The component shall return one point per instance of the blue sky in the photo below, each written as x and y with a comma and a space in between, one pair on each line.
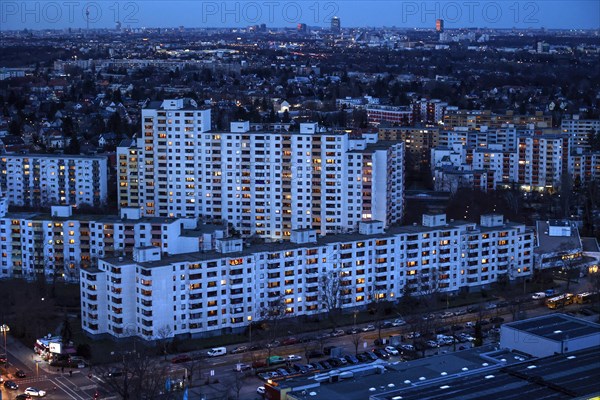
575, 14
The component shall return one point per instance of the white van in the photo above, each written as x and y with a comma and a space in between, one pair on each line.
217, 351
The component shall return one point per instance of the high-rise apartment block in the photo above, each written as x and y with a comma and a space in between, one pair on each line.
262, 182
40, 180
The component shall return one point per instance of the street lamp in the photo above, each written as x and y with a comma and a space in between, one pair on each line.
4, 329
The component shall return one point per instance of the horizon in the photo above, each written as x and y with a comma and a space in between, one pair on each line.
155, 14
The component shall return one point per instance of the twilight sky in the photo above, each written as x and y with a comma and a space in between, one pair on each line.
574, 14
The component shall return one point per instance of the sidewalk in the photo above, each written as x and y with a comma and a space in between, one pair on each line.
26, 355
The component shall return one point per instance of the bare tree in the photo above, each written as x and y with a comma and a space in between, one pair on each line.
271, 316
163, 335
356, 340
330, 294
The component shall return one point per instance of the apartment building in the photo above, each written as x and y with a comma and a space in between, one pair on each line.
476, 119
429, 111
39, 180
264, 183
536, 164
377, 114
62, 243
418, 141
584, 166
211, 293
578, 130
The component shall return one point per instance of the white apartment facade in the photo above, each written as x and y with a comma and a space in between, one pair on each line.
212, 293
578, 130
38, 180
60, 243
263, 183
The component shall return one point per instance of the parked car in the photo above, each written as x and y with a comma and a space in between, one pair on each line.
447, 314
20, 374
352, 331
472, 309
242, 367
491, 306
260, 390
11, 385
387, 324
538, 295
114, 373
432, 344
398, 322
274, 343
351, 359
289, 341
326, 364
381, 353
370, 356
303, 369
337, 333
181, 359
392, 350
362, 357
407, 347
293, 357
368, 328
460, 312
239, 349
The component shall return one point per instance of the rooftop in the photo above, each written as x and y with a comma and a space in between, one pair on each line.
556, 327
557, 377
552, 244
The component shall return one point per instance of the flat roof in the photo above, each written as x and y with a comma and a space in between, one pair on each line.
556, 327
590, 245
556, 244
556, 377
402, 375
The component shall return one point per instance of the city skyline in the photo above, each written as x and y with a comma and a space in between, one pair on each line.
554, 14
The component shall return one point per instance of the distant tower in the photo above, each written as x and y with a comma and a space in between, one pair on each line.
87, 19
301, 28
336, 25
439, 25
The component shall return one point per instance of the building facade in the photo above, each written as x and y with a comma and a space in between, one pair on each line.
211, 293
263, 183
40, 180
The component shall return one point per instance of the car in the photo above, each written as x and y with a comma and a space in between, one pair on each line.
460, 312
491, 306
381, 353
368, 328
274, 343
334, 362
370, 356
20, 374
293, 357
289, 341
341, 360
429, 317
472, 309
447, 314
398, 322
352, 331
325, 364
392, 350
362, 357
23, 396
587, 311
413, 335
11, 385
302, 368
35, 392
255, 347
323, 335
241, 367
181, 359
282, 371
260, 390
114, 373
337, 333
432, 344
351, 359
407, 347
386, 324
470, 324
538, 295
239, 349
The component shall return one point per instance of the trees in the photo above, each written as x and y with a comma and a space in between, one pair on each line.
164, 333
330, 294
